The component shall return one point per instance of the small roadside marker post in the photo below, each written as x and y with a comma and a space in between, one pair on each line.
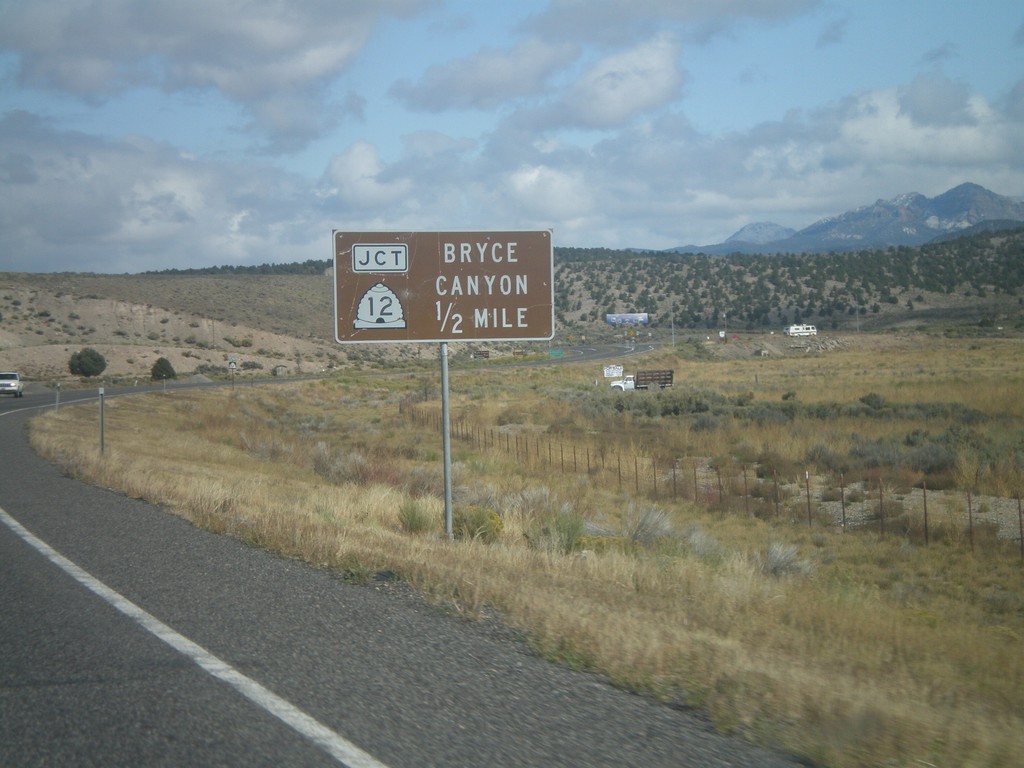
101, 421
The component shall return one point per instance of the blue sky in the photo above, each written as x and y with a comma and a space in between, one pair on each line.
149, 134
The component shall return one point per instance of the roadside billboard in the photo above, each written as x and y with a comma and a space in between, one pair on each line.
627, 318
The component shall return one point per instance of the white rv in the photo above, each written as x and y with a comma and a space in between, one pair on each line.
800, 330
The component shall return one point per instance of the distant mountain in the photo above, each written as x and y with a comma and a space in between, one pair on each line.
908, 219
984, 227
761, 232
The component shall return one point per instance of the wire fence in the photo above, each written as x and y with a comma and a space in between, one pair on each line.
830, 500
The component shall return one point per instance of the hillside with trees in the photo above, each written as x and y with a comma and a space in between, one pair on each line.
279, 317
976, 279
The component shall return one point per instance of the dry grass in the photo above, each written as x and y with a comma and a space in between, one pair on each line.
847, 649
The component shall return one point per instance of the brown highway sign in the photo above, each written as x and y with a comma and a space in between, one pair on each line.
443, 286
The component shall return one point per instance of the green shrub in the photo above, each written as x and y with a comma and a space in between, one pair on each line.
87, 362
340, 468
873, 400
209, 369
702, 544
874, 453
833, 494
772, 464
414, 519
163, 370
782, 560
705, 422
600, 544
645, 523
826, 460
562, 532
472, 521
930, 458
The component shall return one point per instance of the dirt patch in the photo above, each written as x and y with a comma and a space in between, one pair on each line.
741, 345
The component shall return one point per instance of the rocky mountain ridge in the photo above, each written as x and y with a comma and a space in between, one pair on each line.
908, 219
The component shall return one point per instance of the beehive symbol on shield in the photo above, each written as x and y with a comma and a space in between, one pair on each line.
379, 308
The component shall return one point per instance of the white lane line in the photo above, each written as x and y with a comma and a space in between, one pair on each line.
331, 742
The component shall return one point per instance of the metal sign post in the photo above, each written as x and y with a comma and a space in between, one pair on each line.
446, 439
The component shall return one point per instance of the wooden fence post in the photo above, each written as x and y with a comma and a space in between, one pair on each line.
924, 491
881, 508
746, 493
1020, 522
807, 485
842, 497
970, 519
775, 477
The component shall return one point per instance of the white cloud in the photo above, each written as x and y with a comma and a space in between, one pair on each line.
357, 178
593, 140
615, 20
879, 129
488, 78
251, 51
549, 193
661, 183
73, 202
625, 84
936, 100
1015, 101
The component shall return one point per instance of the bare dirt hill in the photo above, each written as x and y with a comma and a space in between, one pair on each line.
134, 320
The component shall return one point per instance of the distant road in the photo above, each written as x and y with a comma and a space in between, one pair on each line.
42, 395
129, 637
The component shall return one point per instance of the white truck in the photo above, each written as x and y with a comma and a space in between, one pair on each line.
11, 384
660, 378
800, 330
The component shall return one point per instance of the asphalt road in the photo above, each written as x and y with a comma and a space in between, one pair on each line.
129, 637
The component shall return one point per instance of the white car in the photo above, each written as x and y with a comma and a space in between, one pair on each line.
11, 384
